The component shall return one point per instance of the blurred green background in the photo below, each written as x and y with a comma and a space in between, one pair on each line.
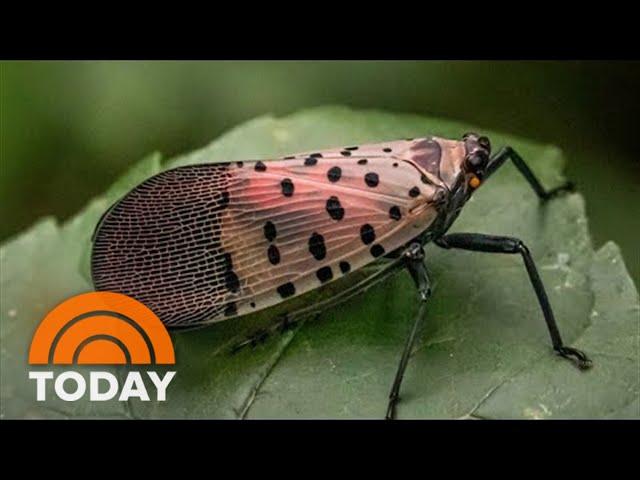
69, 129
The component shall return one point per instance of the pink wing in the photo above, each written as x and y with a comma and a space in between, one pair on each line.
202, 243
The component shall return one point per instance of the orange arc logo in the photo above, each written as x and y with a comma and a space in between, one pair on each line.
100, 328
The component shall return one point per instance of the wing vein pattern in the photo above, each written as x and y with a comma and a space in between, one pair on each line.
203, 243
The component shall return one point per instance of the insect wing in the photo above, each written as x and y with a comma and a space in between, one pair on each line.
202, 243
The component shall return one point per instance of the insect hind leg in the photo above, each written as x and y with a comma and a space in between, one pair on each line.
414, 257
492, 244
292, 319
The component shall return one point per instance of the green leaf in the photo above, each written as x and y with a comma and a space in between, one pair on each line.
484, 352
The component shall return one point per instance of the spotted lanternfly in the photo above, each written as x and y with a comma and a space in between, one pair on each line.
204, 243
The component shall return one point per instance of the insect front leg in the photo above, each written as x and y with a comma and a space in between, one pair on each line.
414, 257
492, 244
508, 153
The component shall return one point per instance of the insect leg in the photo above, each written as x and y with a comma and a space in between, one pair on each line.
492, 244
507, 153
296, 316
414, 257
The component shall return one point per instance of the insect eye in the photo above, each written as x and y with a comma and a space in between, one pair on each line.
467, 135
484, 143
477, 161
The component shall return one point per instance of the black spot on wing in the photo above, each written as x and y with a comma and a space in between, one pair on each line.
270, 231
227, 261
287, 187
286, 290
371, 179
394, 213
232, 281
224, 199
334, 174
324, 274
367, 234
334, 208
377, 250
273, 254
317, 247
231, 309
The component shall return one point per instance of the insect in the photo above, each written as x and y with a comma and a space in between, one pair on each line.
205, 243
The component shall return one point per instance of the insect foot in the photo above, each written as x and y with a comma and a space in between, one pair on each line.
566, 187
573, 354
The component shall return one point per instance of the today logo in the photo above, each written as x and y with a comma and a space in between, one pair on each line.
101, 328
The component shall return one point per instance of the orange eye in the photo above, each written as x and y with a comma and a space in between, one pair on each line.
474, 182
